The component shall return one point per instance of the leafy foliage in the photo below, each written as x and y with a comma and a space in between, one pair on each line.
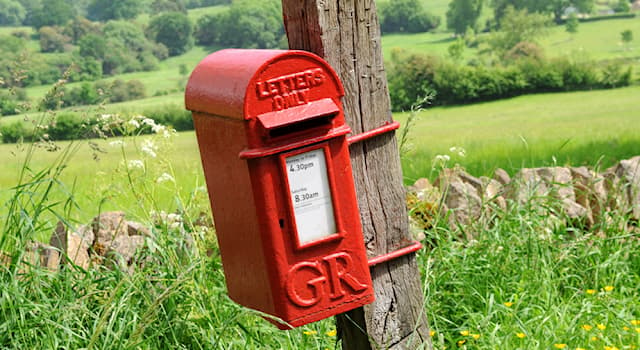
406, 16
52, 39
517, 26
12, 13
52, 13
245, 24
463, 14
413, 77
104, 10
173, 30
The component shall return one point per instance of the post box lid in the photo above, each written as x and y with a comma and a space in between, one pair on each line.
246, 83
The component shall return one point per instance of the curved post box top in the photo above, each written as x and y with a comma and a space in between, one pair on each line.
244, 84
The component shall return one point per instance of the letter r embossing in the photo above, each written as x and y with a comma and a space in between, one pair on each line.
339, 274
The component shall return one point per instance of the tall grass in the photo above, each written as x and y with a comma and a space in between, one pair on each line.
175, 296
526, 284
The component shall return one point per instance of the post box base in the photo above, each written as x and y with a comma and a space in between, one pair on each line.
321, 315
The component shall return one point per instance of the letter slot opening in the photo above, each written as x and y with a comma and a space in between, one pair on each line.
308, 124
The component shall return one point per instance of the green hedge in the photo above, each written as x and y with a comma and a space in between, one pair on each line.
413, 77
603, 17
75, 125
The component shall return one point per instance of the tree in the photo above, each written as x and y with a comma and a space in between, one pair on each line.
406, 16
173, 30
245, 24
79, 27
518, 26
626, 36
12, 13
52, 40
463, 14
556, 8
122, 47
52, 13
572, 24
104, 10
159, 6
622, 6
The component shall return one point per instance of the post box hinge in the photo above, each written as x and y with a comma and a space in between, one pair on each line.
411, 248
387, 127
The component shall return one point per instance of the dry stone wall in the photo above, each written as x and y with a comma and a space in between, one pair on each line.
577, 197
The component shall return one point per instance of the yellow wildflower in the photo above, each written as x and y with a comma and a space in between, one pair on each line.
610, 348
594, 338
608, 288
520, 335
560, 346
626, 328
332, 333
591, 291
587, 327
461, 342
508, 304
635, 322
581, 349
432, 333
601, 326
475, 336
464, 333
638, 330
310, 332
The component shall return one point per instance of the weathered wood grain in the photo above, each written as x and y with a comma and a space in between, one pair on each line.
347, 34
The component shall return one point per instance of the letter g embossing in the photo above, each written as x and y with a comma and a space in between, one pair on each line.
304, 283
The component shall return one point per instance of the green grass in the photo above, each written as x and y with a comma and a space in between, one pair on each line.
553, 285
519, 275
579, 128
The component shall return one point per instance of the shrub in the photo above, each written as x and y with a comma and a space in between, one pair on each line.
13, 132
119, 91
406, 16
52, 40
171, 115
413, 77
615, 75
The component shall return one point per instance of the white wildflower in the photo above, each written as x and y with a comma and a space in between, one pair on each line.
459, 151
148, 121
136, 164
105, 117
134, 123
441, 158
165, 177
149, 148
158, 128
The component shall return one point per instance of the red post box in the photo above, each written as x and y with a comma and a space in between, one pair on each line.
273, 143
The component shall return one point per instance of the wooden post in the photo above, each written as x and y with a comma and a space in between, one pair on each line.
347, 34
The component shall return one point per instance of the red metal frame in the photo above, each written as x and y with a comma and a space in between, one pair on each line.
332, 188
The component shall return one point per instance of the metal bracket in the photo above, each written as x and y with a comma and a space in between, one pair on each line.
385, 128
413, 247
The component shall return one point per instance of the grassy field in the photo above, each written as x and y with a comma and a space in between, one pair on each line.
579, 128
520, 284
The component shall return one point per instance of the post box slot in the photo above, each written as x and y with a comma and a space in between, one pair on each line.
308, 124
300, 118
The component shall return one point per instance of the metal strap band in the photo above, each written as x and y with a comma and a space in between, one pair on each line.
387, 127
413, 247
